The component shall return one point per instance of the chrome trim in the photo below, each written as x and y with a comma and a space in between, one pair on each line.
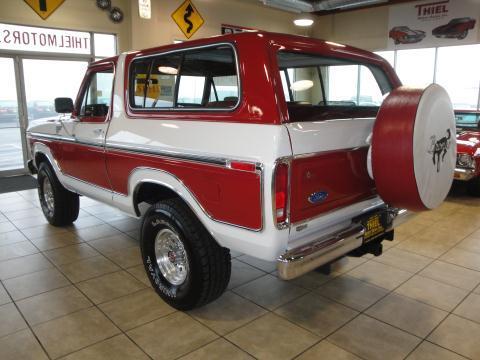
464, 174
298, 261
288, 161
323, 152
303, 259
139, 111
71, 140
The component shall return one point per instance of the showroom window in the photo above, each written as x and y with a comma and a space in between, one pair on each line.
195, 79
454, 67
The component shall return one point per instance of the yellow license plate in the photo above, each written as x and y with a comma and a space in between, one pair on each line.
373, 227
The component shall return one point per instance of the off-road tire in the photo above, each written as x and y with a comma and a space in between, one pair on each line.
473, 187
66, 204
209, 265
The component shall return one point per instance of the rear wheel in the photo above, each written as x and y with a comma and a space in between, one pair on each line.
462, 35
185, 265
473, 186
59, 205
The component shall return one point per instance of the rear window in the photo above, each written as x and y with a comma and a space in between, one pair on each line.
339, 86
467, 120
190, 79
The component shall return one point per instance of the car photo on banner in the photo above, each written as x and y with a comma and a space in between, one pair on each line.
405, 35
456, 28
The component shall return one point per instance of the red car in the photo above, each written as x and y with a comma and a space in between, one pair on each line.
405, 35
468, 149
456, 28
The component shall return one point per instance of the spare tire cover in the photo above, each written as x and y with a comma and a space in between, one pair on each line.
414, 148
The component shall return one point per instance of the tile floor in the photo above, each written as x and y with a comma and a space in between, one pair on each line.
81, 293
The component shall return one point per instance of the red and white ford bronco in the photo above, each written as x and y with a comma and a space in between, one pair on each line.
285, 148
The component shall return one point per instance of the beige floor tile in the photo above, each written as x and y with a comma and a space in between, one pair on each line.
19, 249
425, 247
110, 286
126, 258
117, 348
11, 320
23, 265
16, 204
140, 274
218, 350
96, 232
111, 215
11, 237
403, 260
126, 225
227, 313
459, 335
113, 243
269, 291
429, 351
21, 345
346, 264
88, 268
327, 351
432, 292
30, 222
35, 283
136, 309
470, 308
471, 243
312, 280
23, 214
316, 314
242, 273
352, 292
6, 226
452, 274
179, 335
267, 266
272, 337
468, 259
55, 241
372, 339
4, 297
69, 254
74, 331
407, 314
85, 222
52, 304
42, 231
381, 275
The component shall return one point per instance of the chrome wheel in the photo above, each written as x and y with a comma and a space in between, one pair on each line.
171, 257
48, 195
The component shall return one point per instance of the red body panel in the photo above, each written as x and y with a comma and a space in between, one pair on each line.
342, 174
468, 142
232, 196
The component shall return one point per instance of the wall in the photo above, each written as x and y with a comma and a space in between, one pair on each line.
74, 15
161, 29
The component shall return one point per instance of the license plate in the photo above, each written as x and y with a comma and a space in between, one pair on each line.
374, 226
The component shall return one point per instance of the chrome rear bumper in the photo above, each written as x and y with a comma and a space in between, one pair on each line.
308, 257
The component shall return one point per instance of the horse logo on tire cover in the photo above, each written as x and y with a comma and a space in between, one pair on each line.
439, 148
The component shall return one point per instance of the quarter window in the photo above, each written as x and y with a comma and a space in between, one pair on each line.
191, 79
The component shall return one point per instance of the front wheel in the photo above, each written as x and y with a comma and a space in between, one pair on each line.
185, 265
59, 205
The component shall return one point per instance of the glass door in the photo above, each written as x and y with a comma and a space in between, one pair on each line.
11, 149
46, 80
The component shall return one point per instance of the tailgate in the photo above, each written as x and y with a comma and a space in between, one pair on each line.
329, 166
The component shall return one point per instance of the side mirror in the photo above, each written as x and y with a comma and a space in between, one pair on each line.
63, 105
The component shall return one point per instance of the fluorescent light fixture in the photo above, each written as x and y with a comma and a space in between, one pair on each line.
168, 70
301, 85
303, 22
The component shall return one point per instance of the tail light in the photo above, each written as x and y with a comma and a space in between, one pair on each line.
280, 187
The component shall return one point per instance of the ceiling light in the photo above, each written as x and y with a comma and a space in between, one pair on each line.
168, 70
303, 22
302, 85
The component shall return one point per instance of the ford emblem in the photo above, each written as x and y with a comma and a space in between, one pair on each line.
317, 197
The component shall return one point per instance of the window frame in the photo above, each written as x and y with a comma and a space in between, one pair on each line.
91, 71
139, 111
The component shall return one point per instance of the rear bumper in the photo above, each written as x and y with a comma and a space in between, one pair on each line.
308, 257
464, 174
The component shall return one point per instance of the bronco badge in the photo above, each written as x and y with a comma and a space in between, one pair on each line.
317, 197
439, 148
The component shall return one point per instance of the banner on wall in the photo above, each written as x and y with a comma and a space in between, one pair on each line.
424, 24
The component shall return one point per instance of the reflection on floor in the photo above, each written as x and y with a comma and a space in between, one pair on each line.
81, 292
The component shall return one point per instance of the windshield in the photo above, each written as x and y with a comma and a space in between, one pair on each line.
467, 120
336, 85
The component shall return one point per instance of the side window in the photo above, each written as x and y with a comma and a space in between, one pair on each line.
194, 79
97, 97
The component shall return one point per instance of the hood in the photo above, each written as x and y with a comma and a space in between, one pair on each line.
468, 142
35, 123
